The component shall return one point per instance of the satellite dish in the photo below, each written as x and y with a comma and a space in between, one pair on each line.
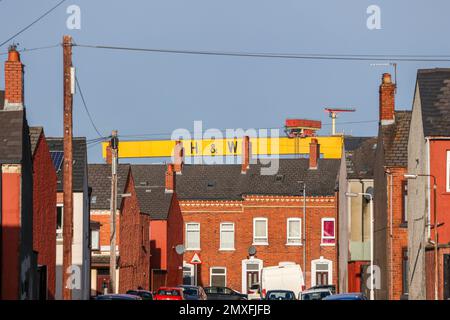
180, 249
252, 250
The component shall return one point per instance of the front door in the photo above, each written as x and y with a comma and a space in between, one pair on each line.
321, 278
252, 278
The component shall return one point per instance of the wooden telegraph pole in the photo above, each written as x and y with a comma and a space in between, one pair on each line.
68, 163
112, 248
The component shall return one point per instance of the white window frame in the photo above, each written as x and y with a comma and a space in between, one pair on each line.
217, 274
234, 237
255, 241
322, 232
448, 172
288, 238
186, 234
98, 240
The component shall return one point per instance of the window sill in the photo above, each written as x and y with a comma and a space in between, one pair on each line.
294, 244
227, 249
327, 244
260, 243
192, 249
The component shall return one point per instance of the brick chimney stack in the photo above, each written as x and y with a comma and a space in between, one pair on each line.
13, 81
245, 154
314, 154
178, 157
387, 100
170, 179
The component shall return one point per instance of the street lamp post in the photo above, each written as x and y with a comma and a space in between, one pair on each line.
372, 278
304, 225
436, 257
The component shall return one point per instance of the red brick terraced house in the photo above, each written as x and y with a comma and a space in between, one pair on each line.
229, 208
390, 211
100, 215
154, 187
44, 213
429, 158
18, 261
134, 245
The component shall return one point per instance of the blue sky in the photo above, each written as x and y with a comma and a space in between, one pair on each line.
145, 93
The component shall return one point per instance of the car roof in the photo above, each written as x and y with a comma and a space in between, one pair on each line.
316, 290
345, 295
280, 291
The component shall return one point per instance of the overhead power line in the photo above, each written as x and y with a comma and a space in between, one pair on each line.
87, 110
32, 23
307, 56
25, 50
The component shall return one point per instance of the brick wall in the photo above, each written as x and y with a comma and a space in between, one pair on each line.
399, 239
174, 237
103, 217
135, 252
277, 210
44, 212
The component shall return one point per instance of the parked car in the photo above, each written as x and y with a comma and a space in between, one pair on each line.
254, 292
347, 296
169, 293
314, 294
286, 276
330, 287
224, 293
144, 294
280, 295
117, 297
193, 292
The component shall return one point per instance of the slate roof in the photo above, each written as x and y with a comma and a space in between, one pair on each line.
361, 159
12, 128
434, 90
149, 183
99, 176
2, 99
79, 165
35, 133
226, 182
395, 140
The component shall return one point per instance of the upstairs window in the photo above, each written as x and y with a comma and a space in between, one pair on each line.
260, 232
405, 202
227, 236
328, 231
95, 240
294, 231
192, 236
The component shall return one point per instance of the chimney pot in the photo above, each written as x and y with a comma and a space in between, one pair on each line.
387, 100
108, 154
178, 157
170, 179
13, 81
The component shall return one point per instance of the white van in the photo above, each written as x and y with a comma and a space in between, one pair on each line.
285, 276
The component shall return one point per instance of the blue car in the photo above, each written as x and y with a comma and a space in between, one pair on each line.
346, 296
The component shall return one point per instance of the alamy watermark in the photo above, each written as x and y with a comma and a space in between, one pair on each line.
214, 146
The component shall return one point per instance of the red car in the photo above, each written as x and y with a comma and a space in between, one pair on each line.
169, 293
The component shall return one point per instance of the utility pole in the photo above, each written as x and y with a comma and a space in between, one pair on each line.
114, 144
68, 164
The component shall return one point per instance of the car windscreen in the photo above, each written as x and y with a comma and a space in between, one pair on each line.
280, 295
315, 295
174, 293
190, 291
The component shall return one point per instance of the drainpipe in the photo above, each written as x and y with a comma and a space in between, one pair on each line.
1, 197
391, 186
